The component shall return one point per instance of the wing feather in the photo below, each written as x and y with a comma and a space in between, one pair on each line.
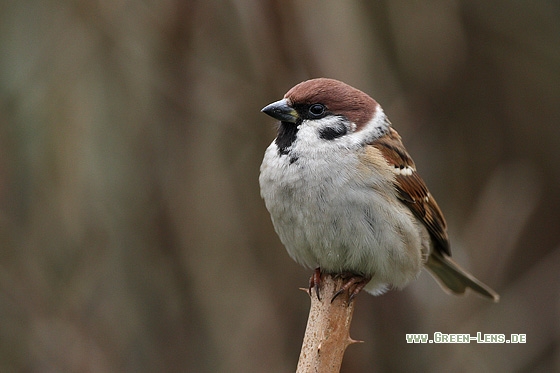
412, 190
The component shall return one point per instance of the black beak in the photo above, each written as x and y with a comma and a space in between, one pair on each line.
282, 111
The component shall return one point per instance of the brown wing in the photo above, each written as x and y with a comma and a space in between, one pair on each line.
412, 189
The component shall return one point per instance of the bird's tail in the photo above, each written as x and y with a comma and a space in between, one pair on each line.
454, 278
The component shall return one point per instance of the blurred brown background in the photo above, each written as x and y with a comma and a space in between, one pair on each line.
132, 234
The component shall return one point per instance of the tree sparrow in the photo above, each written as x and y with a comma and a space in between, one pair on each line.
345, 197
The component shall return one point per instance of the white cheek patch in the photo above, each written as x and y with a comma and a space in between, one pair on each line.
310, 141
403, 170
313, 133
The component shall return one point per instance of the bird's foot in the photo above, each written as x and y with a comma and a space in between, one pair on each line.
353, 284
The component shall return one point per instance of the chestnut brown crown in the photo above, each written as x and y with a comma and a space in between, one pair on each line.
339, 98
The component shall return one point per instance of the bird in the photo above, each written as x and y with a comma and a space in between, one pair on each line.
345, 197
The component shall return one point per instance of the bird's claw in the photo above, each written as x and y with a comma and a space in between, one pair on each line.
315, 282
353, 284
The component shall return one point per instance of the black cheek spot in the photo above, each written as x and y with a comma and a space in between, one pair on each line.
331, 133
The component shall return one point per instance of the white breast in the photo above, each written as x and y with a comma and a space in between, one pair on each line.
333, 211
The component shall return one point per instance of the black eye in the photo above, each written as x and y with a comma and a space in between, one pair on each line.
317, 111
